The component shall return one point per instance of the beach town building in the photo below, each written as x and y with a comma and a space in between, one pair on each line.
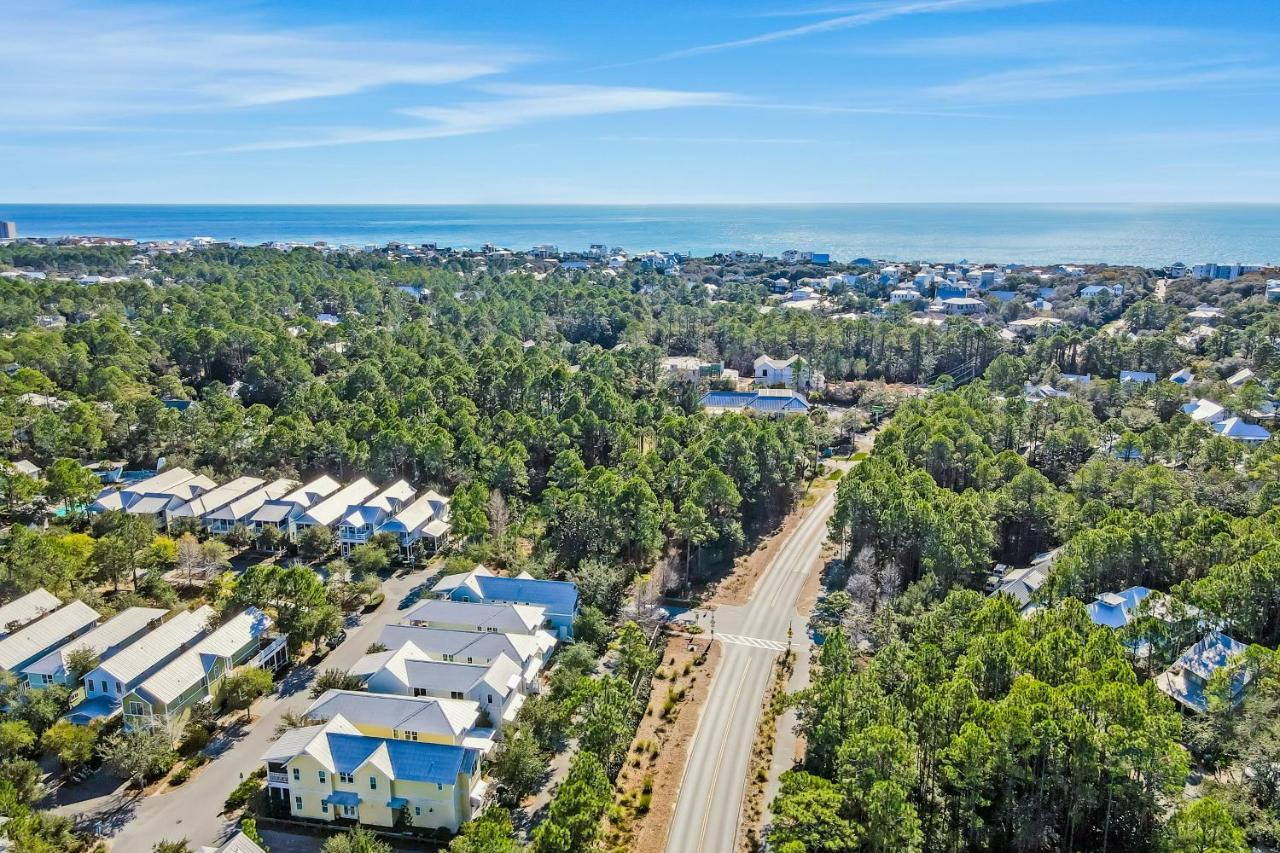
1204, 411
43, 635
1188, 678
26, 609
795, 373
1240, 430
111, 680
498, 616
363, 519
281, 513
409, 671
529, 651
155, 497
240, 510
164, 699
333, 772
559, 599
327, 512
421, 527
103, 642
215, 499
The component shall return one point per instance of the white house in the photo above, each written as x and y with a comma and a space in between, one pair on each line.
1239, 430
1138, 377
154, 497
1204, 411
529, 651
901, 294
794, 372
1240, 377
363, 519
497, 616
409, 671
963, 306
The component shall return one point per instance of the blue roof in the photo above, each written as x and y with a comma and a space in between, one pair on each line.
754, 400
1003, 295
397, 803
343, 798
412, 761
1115, 609
556, 596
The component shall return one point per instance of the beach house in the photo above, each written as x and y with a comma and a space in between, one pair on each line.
559, 599
103, 642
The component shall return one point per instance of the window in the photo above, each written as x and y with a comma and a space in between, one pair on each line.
119, 689
323, 778
373, 783
324, 807
417, 811
349, 811
297, 804
439, 786
470, 659
419, 691
297, 774
135, 709
347, 778
489, 699
411, 736
455, 694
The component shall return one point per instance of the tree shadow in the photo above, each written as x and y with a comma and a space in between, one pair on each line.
297, 680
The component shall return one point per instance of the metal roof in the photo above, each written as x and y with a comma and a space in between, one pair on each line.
218, 497
497, 615
100, 640
330, 509
481, 645
190, 667
242, 506
26, 609
450, 717
558, 597
403, 760
304, 496
45, 633
158, 646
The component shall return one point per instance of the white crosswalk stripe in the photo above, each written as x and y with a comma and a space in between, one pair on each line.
753, 642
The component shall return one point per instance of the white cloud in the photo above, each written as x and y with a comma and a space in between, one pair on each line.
1039, 41
72, 61
864, 16
512, 106
1056, 82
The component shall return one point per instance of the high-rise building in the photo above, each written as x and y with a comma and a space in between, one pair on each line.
8, 230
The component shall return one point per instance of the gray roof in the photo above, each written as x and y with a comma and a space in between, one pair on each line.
188, 668
26, 609
158, 646
101, 640
43, 634
406, 713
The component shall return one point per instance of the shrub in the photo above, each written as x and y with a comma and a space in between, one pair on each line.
182, 774
243, 793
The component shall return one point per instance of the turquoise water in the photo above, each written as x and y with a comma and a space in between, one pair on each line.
1152, 235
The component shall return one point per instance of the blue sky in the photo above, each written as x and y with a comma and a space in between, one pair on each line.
421, 101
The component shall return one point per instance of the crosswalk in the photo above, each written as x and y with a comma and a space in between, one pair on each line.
753, 642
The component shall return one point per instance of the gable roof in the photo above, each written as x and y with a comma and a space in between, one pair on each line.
1202, 410
340, 748
426, 508
158, 646
171, 680
1242, 430
218, 497
1116, 609
20, 646
100, 640
238, 843
330, 509
761, 400
462, 644
405, 713
307, 494
241, 507
558, 597
413, 667
493, 615
1137, 376
26, 609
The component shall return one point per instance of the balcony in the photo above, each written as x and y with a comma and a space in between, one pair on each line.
278, 779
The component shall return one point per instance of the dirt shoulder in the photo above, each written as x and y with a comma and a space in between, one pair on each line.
737, 587
649, 782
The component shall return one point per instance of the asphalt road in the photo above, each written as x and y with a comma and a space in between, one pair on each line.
751, 636
133, 825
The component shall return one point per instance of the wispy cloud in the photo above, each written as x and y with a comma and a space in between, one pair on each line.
1056, 82
512, 106
1038, 41
864, 16
72, 61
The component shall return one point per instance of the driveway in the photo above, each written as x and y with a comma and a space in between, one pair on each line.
751, 636
133, 824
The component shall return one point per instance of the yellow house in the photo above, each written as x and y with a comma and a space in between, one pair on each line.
332, 772
414, 718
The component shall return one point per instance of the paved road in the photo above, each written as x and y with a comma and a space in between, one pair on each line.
710, 799
134, 825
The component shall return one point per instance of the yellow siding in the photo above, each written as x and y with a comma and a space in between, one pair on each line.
389, 734
309, 787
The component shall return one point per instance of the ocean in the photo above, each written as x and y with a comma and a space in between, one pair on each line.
1143, 234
